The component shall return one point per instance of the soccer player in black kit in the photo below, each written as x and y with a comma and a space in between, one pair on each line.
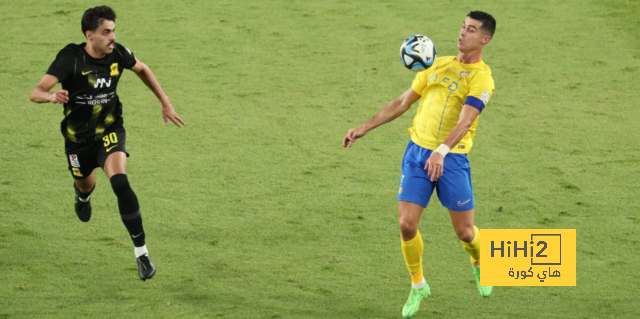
93, 126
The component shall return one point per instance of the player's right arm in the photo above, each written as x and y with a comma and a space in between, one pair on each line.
389, 113
41, 93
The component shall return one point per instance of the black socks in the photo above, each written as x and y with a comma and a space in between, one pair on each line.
83, 196
129, 208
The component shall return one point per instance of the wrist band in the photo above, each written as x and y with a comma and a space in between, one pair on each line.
443, 149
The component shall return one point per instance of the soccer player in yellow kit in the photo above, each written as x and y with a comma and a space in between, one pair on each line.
452, 92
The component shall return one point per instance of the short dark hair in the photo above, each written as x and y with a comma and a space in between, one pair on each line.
488, 22
93, 18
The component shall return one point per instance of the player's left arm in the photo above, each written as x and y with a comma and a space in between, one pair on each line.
149, 79
435, 162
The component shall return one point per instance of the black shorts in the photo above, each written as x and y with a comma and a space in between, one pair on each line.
83, 158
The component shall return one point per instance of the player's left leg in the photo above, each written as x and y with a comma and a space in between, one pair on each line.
469, 235
112, 157
456, 193
115, 167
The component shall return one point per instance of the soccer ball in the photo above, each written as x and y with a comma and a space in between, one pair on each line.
417, 53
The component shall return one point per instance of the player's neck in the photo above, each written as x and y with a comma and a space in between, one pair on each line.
93, 52
474, 56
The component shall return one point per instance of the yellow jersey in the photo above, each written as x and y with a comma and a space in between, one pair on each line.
444, 89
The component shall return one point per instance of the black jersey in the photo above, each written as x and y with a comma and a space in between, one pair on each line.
93, 102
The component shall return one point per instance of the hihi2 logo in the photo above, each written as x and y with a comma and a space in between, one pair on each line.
528, 257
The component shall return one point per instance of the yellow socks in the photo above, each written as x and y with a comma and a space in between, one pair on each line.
473, 248
412, 251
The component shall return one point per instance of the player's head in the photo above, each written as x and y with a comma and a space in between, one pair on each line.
477, 30
98, 26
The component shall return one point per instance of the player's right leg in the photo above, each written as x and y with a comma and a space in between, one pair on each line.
82, 163
413, 196
84, 187
412, 248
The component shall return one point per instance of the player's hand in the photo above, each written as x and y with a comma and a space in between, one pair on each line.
434, 166
351, 137
169, 114
60, 96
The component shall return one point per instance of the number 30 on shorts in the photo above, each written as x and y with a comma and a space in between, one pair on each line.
112, 138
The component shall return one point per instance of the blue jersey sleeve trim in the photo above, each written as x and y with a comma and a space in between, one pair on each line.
475, 102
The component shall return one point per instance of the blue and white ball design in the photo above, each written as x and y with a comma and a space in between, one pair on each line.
418, 53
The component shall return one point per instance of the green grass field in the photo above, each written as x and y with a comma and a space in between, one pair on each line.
255, 211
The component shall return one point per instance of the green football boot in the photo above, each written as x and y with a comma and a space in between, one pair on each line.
485, 291
412, 305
